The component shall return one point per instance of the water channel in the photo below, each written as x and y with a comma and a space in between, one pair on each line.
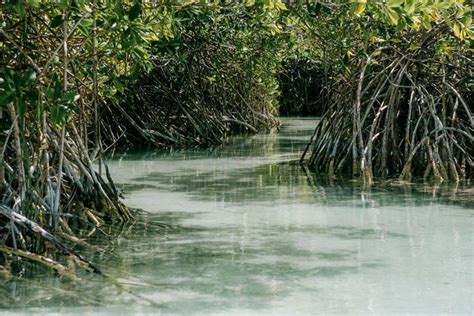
243, 230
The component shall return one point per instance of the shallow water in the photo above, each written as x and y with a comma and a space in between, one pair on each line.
240, 230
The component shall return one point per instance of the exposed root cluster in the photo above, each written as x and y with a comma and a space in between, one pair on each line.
409, 114
173, 106
37, 214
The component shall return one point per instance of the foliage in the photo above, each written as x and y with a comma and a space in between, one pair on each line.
62, 64
397, 61
54, 56
216, 77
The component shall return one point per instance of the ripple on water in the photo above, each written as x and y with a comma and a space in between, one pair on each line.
238, 229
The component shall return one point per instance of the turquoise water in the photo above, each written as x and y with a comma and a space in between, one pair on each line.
243, 230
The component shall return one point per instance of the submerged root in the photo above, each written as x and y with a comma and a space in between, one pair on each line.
63, 271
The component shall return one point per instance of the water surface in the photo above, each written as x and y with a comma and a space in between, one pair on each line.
242, 229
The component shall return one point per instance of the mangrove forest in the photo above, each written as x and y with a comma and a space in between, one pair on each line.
237, 157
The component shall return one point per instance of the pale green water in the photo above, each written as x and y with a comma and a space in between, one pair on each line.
235, 230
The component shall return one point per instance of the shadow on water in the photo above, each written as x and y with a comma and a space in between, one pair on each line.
245, 227
146, 255
288, 181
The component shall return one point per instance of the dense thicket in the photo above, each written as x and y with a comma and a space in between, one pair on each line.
65, 66
216, 77
54, 185
303, 90
400, 102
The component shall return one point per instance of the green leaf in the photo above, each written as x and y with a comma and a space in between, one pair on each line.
85, 27
467, 21
410, 6
268, 4
34, 3
49, 94
280, 5
64, 3
21, 107
58, 88
20, 8
360, 8
28, 78
57, 21
61, 113
457, 29
70, 97
400, 25
395, 3
134, 11
6, 98
56, 115
393, 15
426, 22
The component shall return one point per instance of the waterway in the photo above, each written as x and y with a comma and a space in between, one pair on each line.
242, 229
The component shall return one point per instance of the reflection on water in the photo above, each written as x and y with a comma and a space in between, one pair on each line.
242, 229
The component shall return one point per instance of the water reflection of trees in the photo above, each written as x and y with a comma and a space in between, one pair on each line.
152, 241
291, 138
291, 183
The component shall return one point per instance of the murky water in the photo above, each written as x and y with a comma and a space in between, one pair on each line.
239, 230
